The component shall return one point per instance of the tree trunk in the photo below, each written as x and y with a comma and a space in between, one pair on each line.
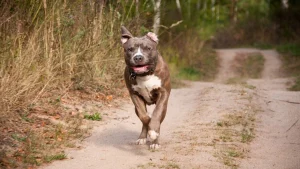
233, 11
178, 6
156, 19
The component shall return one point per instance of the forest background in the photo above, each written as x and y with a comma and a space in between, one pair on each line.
52, 47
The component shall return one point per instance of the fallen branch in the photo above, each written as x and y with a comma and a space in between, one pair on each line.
292, 125
289, 101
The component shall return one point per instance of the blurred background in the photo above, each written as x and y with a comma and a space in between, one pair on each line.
50, 47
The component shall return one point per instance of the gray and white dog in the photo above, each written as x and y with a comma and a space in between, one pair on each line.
147, 78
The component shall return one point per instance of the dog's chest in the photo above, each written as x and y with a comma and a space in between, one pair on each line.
145, 85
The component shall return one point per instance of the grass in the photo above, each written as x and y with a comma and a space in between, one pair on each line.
292, 49
240, 81
51, 158
291, 59
236, 129
95, 117
200, 65
189, 73
18, 138
248, 65
263, 46
246, 136
168, 165
296, 85
52, 52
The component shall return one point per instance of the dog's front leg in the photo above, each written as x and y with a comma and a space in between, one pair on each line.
158, 116
141, 112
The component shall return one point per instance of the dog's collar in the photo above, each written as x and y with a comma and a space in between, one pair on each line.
132, 75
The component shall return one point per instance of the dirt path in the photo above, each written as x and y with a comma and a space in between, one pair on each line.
193, 134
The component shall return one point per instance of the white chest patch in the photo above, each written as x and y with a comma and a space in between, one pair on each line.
145, 85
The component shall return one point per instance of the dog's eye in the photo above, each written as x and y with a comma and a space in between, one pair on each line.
130, 49
149, 48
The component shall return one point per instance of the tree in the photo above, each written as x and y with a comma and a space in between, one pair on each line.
156, 19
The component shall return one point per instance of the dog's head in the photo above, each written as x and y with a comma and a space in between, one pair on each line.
140, 52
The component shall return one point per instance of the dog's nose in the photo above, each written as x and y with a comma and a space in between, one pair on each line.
138, 58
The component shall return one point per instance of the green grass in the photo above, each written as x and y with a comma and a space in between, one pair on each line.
254, 65
189, 73
291, 59
51, 158
95, 117
296, 85
240, 81
233, 153
263, 45
18, 138
169, 165
292, 49
248, 65
246, 136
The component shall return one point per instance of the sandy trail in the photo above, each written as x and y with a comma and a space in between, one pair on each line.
189, 131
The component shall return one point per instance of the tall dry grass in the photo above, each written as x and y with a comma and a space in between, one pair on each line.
55, 45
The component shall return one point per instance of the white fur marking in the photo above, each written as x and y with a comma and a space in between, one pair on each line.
152, 135
141, 141
145, 85
154, 146
138, 52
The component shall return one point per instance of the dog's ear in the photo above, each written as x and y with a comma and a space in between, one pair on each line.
125, 35
152, 36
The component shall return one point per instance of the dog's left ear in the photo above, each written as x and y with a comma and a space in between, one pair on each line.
152, 36
125, 35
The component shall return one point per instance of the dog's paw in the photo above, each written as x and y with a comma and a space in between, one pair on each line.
154, 146
152, 135
141, 141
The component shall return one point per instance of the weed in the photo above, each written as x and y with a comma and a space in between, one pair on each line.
169, 165
26, 118
292, 49
246, 136
172, 166
18, 138
263, 46
240, 81
51, 158
291, 59
220, 124
233, 153
189, 73
95, 117
248, 65
296, 85
191, 61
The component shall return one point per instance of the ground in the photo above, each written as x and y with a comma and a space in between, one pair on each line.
254, 124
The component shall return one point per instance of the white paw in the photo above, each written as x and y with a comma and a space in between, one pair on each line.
152, 135
154, 146
141, 141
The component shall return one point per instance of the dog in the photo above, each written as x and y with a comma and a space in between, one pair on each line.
147, 78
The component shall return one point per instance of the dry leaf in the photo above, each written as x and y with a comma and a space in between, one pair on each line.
109, 97
57, 116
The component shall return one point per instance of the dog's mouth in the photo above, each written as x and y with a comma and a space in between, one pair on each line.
140, 68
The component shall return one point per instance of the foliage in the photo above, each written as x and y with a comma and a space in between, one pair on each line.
291, 58
292, 49
296, 85
94, 117
249, 65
